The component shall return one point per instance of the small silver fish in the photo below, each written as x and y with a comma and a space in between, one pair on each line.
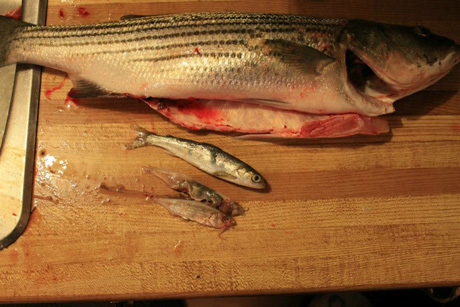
206, 157
197, 191
196, 211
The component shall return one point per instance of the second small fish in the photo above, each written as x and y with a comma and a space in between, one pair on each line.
196, 211
197, 191
206, 157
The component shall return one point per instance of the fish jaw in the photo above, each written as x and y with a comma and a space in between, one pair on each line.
404, 59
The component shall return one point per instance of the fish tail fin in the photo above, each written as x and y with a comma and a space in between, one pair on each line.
141, 139
7, 30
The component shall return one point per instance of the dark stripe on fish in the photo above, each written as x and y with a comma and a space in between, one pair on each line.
189, 55
253, 33
171, 46
268, 27
159, 23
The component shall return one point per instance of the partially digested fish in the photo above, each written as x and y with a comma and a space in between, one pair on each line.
206, 157
258, 121
307, 64
196, 211
197, 191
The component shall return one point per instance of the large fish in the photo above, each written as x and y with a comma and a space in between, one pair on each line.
306, 64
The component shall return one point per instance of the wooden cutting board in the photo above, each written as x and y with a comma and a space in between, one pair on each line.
362, 212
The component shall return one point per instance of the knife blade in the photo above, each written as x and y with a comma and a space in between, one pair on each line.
7, 75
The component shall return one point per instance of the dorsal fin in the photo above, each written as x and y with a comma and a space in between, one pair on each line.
86, 89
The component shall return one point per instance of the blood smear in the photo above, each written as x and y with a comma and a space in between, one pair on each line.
15, 14
50, 91
82, 12
206, 115
61, 13
71, 102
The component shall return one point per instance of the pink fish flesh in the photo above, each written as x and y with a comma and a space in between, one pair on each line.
230, 116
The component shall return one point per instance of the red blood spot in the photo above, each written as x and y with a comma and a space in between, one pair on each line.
71, 102
121, 213
50, 91
14, 214
52, 171
204, 114
82, 12
197, 51
61, 13
273, 225
15, 14
55, 278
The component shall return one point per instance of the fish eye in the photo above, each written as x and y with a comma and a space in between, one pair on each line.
422, 31
256, 178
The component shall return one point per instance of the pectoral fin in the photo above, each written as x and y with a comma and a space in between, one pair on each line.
298, 56
86, 89
222, 174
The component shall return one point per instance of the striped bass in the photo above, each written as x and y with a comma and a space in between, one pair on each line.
306, 64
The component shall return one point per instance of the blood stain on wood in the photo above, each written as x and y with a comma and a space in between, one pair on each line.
83, 12
48, 92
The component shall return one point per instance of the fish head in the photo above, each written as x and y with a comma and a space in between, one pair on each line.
252, 179
407, 59
243, 175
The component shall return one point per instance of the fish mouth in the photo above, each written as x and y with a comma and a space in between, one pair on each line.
361, 74
373, 81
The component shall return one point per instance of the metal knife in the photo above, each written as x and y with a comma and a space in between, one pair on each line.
7, 75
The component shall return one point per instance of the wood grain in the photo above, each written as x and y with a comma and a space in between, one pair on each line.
362, 212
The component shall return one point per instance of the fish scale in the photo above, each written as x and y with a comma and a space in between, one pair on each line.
154, 56
287, 62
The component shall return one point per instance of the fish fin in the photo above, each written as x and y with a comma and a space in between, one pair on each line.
298, 56
141, 139
133, 16
86, 89
222, 174
7, 28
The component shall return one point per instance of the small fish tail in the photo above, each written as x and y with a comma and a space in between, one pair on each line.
170, 178
141, 139
7, 30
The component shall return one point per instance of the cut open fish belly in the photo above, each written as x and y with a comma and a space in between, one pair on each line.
231, 116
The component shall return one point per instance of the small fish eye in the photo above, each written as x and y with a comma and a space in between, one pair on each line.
422, 31
256, 178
